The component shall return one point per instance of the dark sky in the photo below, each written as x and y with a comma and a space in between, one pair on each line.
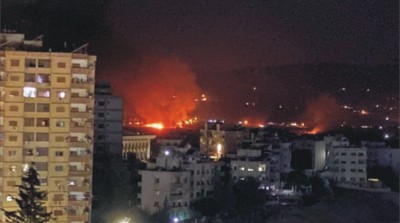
220, 37
223, 35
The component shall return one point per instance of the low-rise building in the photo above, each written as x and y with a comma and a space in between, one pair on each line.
349, 165
212, 141
165, 190
243, 168
380, 155
175, 180
140, 145
318, 154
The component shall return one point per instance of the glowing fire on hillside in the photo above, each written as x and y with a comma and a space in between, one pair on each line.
158, 126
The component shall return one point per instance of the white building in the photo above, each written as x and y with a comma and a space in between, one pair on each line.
140, 145
259, 169
174, 181
163, 189
380, 155
349, 165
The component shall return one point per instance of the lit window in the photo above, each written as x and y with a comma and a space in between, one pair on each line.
60, 124
250, 169
260, 169
25, 167
9, 198
43, 78
29, 92
61, 94
242, 168
43, 93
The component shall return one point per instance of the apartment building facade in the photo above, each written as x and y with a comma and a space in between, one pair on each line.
212, 141
175, 181
46, 118
108, 120
349, 165
140, 145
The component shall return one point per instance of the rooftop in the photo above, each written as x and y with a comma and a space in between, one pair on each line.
12, 41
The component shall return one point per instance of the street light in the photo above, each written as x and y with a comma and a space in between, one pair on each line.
176, 220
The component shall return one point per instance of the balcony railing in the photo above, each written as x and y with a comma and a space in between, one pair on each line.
72, 217
79, 188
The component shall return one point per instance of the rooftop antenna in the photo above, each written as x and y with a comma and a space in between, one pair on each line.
82, 48
4, 44
37, 38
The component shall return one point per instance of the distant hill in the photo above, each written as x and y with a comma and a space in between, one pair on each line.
294, 85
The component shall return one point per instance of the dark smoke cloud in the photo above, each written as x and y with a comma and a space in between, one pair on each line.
322, 113
158, 89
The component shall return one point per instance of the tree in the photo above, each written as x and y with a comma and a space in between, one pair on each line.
207, 206
30, 201
249, 197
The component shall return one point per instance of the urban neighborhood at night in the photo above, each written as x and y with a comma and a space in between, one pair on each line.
180, 111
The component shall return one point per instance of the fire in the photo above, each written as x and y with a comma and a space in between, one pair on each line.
158, 126
315, 130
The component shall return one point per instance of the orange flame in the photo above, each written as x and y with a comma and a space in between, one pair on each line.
315, 130
158, 126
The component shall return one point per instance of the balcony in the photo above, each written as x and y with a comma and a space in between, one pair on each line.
83, 144
79, 203
79, 83
177, 185
74, 172
81, 70
79, 158
82, 114
79, 188
178, 196
76, 98
82, 128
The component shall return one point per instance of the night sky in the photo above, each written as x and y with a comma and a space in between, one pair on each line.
221, 39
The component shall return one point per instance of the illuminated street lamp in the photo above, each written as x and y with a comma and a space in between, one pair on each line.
176, 220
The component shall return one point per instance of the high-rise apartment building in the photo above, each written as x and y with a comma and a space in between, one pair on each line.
46, 118
108, 120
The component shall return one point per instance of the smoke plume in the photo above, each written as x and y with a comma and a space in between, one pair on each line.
322, 113
159, 90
